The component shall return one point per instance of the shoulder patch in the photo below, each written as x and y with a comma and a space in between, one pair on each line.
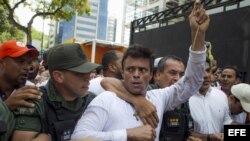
25, 111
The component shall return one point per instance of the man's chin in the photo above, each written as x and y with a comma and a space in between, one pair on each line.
22, 82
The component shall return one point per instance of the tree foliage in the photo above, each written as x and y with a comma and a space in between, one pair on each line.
38, 36
53, 9
8, 31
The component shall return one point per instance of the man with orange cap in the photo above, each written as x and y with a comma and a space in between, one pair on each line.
15, 59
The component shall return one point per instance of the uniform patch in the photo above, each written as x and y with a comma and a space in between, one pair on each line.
25, 111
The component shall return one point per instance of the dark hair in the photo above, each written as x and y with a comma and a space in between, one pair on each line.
99, 69
45, 59
161, 64
31, 46
138, 51
236, 70
108, 57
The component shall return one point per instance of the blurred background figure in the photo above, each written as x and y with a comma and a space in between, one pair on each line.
229, 76
44, 75
93, 74
33, 68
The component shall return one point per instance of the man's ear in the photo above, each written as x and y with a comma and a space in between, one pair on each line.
2, 63
58, 76
151, 75
122, 73
157, 75
232, 98
2, 66
112, 67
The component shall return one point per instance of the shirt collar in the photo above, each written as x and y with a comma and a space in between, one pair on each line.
55, 96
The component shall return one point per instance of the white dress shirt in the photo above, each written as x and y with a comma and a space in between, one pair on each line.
107, 116
210, 112
95, 85
240, 118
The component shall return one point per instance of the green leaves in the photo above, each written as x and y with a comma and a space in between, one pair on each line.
54, 9
8, 31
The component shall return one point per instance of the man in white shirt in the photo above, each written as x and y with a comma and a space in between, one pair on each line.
209, 107
110, 118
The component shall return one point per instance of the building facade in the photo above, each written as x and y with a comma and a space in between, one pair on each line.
111, 29
82, 28
135, 9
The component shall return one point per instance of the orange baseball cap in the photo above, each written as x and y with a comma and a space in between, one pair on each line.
13, 48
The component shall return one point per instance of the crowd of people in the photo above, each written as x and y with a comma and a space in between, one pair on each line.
130, 96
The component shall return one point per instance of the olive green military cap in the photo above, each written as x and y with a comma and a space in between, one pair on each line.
69, 57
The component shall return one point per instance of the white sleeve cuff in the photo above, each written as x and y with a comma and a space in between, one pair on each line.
119, 135
197, 56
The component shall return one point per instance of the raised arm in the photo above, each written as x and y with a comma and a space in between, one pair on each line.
145, 109
199, 22
190, 83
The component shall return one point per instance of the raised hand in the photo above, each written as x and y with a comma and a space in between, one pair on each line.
199, 23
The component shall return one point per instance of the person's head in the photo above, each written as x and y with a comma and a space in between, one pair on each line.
34, 67
234, 104
15, 59
170, 69
111, 63
69, 69
93, 74
241, 94
229, 77
156, 62
207, 78
137, 68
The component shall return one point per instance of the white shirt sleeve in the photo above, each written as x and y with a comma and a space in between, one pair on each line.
92, 122
228, 119
189, 84
95, 85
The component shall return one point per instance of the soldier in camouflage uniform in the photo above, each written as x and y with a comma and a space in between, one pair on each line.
64, 97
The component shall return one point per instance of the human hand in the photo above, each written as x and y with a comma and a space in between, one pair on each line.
199, 22
198, 17
43, 137
146, 111
20, 96
191, 138
141, 133
217, 137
